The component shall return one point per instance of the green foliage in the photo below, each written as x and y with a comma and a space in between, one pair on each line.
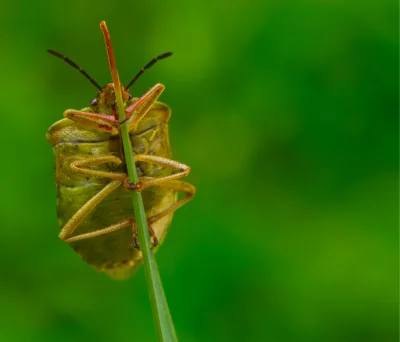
287, 113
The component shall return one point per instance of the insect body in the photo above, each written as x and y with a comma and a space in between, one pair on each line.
94, 204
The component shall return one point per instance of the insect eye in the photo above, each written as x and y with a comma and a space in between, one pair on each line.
130, 96
93, 102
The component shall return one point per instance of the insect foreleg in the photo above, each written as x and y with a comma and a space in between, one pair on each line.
107, 123
138, 110
102, 122
145, 182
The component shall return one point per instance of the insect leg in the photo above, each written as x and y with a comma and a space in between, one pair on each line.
179, 186
107, 123
145, 182
82, 166
151, 233
102, 122
138, 110
112, 228
85, 210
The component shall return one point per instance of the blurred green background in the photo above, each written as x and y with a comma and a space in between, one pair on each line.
287, 112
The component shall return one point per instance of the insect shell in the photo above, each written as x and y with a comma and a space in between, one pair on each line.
94, 201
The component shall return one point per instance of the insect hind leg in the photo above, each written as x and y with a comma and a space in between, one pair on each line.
84, 211
109, 229
178, 186
151, 233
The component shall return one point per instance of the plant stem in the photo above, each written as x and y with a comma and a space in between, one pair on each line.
162, 317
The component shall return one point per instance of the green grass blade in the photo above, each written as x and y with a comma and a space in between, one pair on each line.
162, 317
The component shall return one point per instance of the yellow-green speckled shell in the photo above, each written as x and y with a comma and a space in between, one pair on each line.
112, 253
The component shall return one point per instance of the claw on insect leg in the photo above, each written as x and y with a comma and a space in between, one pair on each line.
135, 238
132, 186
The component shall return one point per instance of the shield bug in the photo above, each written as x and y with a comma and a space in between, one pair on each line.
94, 206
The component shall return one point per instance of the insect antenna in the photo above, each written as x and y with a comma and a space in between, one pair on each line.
147, 66
76, 66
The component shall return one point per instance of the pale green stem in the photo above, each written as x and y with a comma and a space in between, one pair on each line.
162, 317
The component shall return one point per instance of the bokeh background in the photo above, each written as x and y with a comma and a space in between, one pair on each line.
287, 112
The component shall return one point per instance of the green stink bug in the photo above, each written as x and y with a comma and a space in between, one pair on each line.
94, 206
